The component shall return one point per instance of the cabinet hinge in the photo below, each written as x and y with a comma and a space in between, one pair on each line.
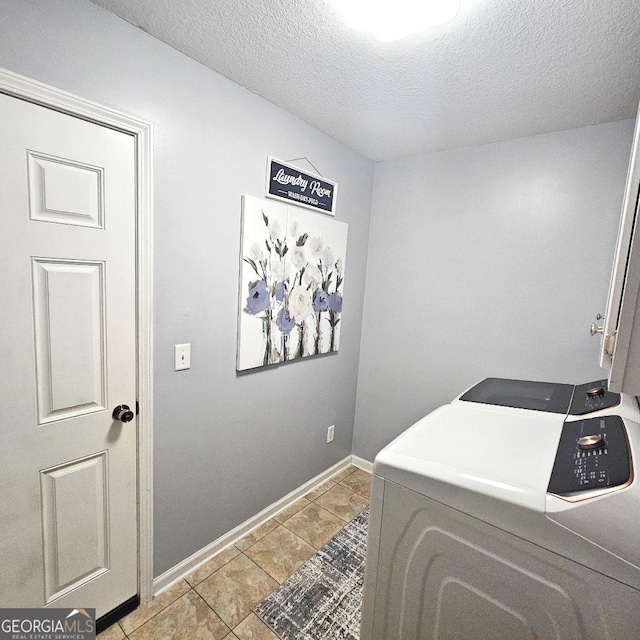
610, 344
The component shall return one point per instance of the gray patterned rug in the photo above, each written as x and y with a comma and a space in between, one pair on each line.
322, 599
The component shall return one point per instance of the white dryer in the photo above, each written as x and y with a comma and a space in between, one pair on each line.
516, 522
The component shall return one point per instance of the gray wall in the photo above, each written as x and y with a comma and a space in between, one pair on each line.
486, 261
226, 446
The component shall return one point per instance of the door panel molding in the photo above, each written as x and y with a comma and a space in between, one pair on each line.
83, 367
24, 88
67, 487
51, 183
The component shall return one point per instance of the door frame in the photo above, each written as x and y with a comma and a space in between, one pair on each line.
18, 86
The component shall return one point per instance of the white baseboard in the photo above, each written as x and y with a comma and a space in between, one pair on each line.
182, 569
361, 463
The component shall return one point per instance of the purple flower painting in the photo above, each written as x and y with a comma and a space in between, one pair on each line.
334, 302
258, 299
320, 300
284, 321
291, 283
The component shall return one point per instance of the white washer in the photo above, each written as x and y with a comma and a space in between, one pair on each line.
490, 522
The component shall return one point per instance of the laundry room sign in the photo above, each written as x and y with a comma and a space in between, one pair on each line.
287, 182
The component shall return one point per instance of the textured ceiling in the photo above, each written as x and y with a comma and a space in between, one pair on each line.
502, 69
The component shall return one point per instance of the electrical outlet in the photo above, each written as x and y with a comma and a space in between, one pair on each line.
330, 432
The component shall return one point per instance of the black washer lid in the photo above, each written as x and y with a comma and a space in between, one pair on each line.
522, 394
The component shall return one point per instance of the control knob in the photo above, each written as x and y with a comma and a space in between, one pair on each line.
586, 443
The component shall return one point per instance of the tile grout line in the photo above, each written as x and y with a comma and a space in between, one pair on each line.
295, 514
159, 612
193, 586
251, 612
263, 568
216, 613
282, 524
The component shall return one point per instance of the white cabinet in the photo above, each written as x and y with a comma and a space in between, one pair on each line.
620, 348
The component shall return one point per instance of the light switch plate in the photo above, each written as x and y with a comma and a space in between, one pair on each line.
182, 356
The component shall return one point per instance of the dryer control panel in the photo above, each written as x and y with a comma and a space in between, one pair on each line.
593, 396
593, 455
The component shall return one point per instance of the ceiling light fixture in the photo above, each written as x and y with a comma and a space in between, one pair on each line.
394, 19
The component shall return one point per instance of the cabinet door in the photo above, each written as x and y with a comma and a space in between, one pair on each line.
620, 349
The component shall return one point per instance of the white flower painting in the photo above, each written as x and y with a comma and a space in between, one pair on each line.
291, 283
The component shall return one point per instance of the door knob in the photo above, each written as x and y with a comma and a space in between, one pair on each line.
595, 327
123, 413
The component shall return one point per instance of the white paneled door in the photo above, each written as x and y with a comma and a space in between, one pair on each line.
68, 524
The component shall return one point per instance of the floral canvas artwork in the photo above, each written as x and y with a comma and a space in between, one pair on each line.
291, 283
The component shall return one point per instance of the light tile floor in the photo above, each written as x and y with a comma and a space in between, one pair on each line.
216, 601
